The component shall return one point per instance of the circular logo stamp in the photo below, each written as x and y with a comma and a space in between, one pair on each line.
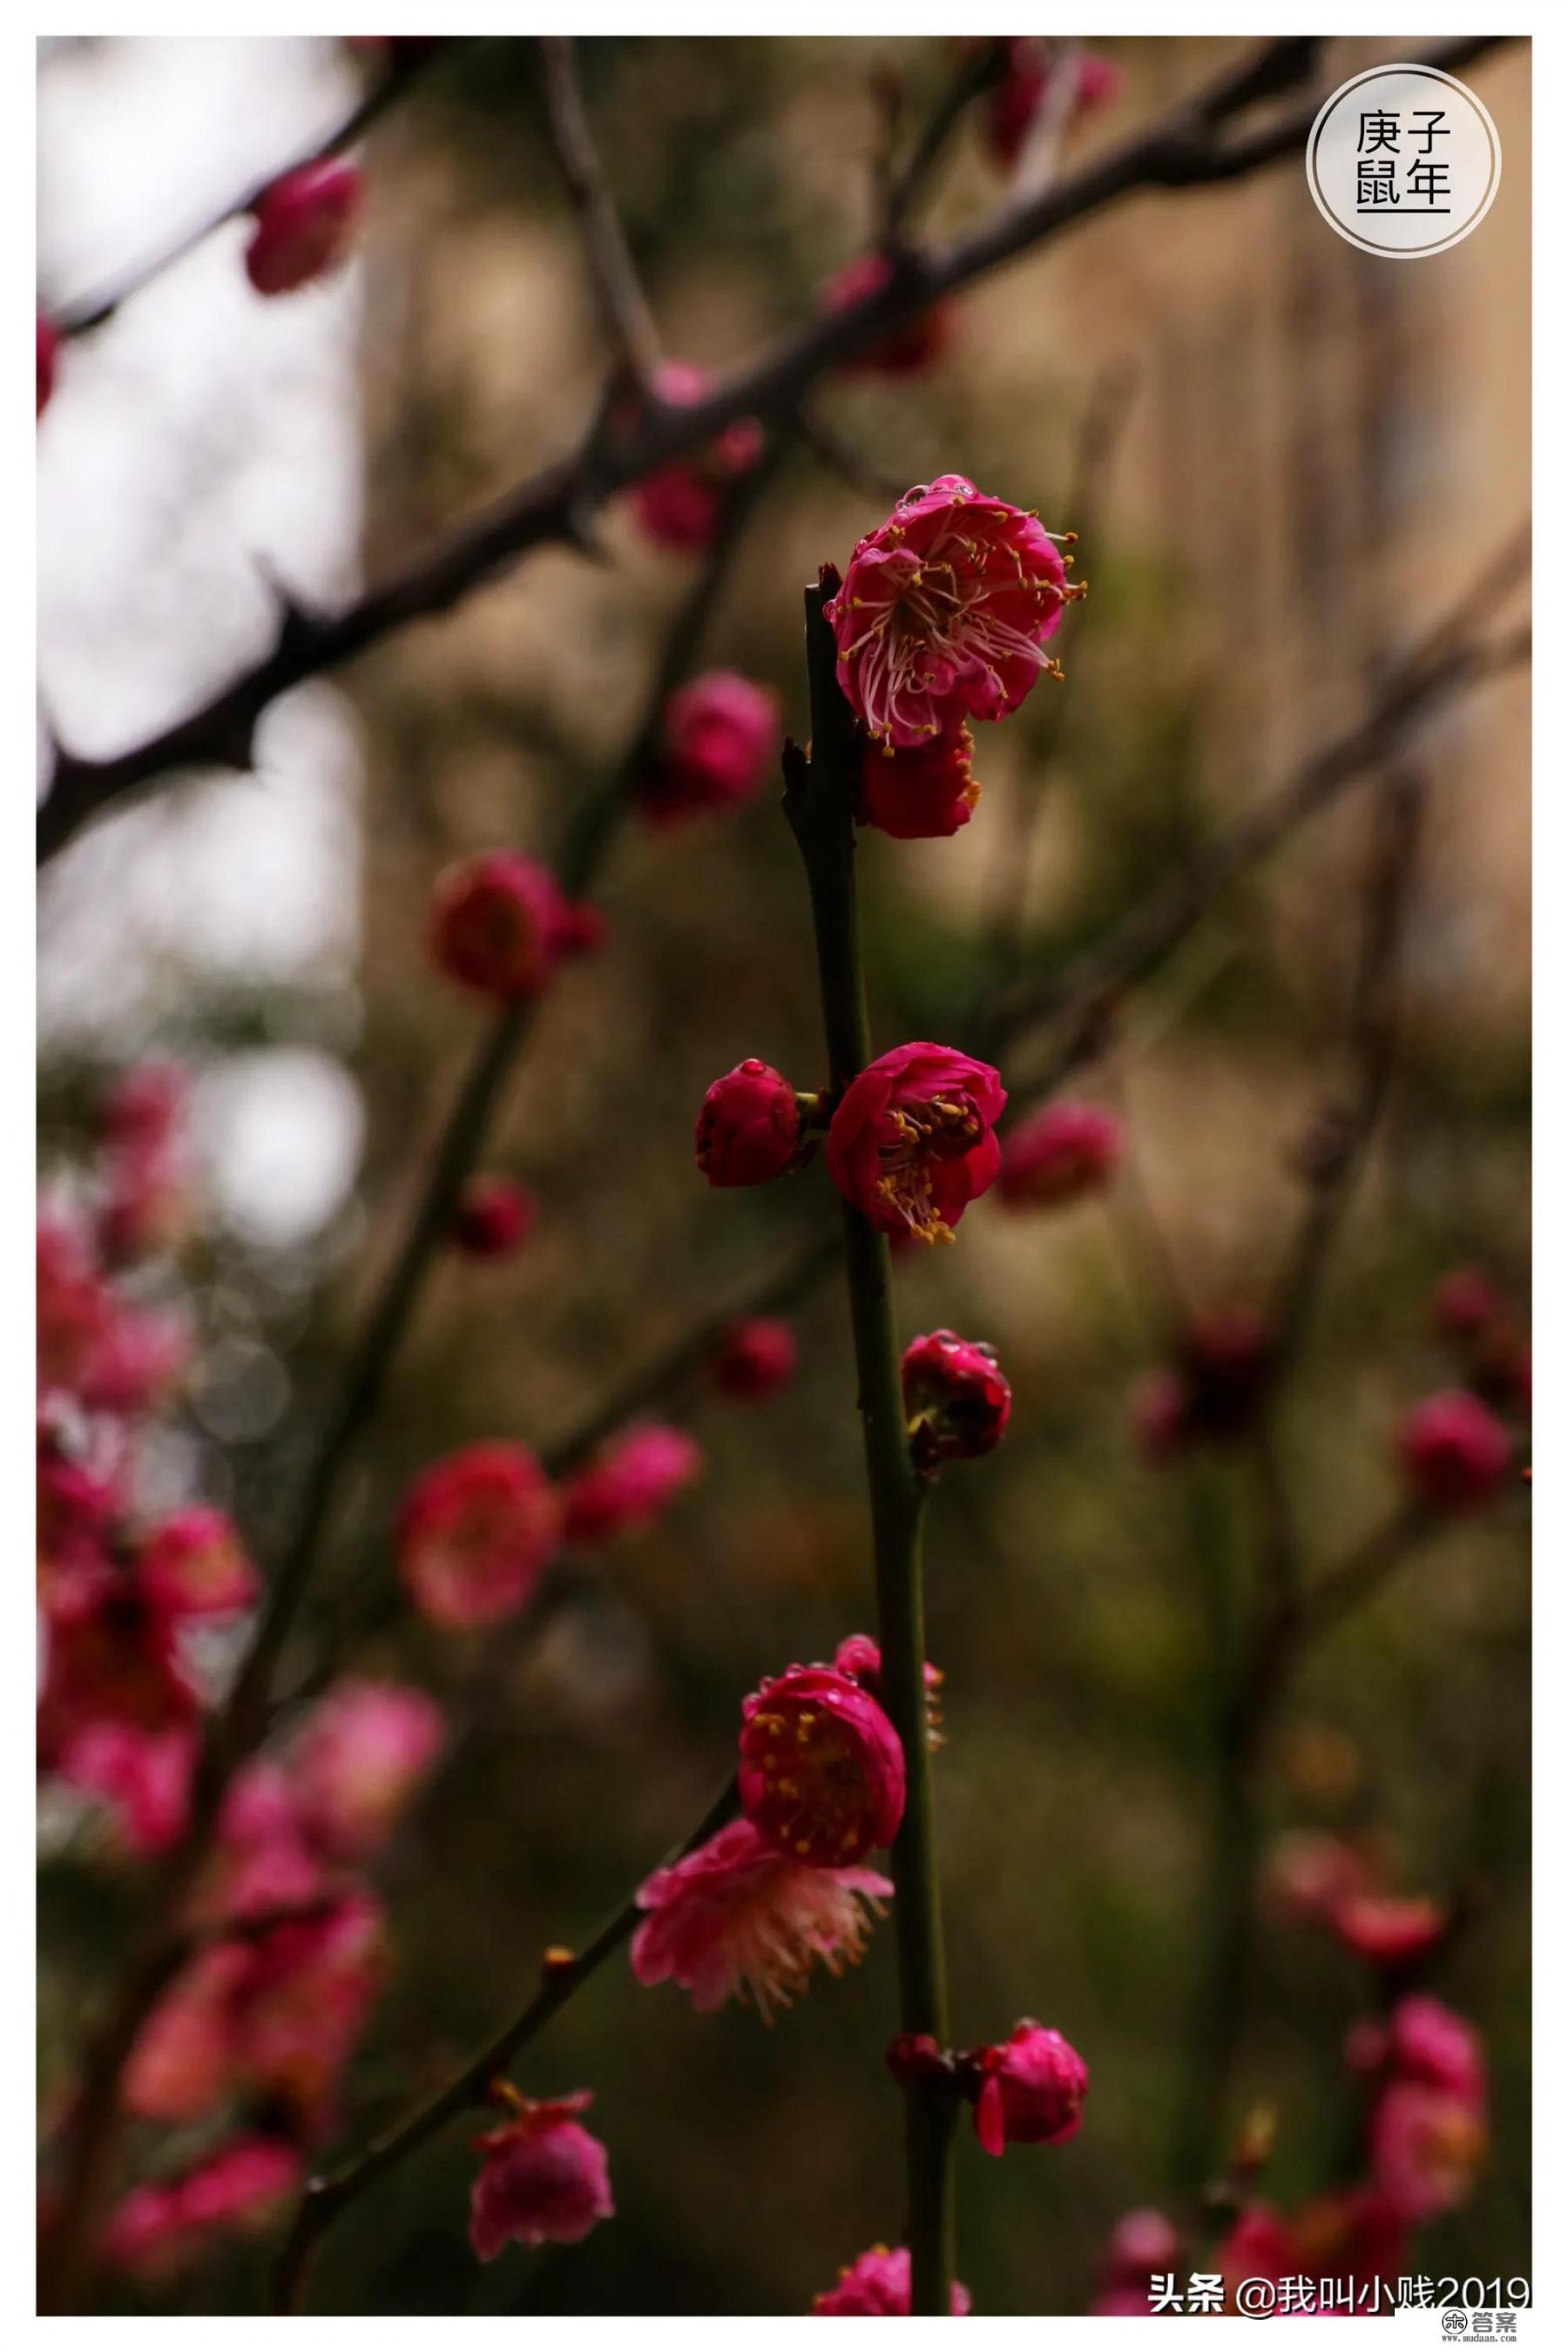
1404, 161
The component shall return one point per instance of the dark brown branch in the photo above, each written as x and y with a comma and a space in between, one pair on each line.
628, 322
93, 2129
560, 1978
976, 74
1182, 150
404, 66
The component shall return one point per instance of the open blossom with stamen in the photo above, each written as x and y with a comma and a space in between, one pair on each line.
737, 1919
925, 793
500, 924
679, 505
876, 2285
1032, 2090
956, 1397
305, 224
630, 1482
945, 612
911, 1144
544, 2179
476, 1533
822, 1769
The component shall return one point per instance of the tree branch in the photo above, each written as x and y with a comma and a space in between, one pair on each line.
560, 1978
1182, 150
628, 322
403, 68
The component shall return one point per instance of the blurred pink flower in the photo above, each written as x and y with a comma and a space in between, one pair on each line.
544, 2179
630, 1482
876, 2285
360, 1759
476, 1532
715, 739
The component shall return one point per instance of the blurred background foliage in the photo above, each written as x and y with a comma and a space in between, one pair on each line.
1316, 451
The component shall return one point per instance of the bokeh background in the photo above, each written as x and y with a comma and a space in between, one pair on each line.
1306, 453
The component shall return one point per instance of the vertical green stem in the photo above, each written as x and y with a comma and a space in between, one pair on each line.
819, 801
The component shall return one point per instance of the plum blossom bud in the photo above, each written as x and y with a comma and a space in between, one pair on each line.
679, 505
1464, 1303
956, 1399
748, 1130
500, 924
1390, 1931
876, 2285
494, 1217
1017, 102
305, 223
908, 350
756, 1359
630, 1482
544, 2179
1456, 1453
194, 1564
715, 739
925, 793
945, 612
48, 359
476, 1534
822, 1769
1060, 1154
911, 1144
1033, 2089
858, 1657
359, 1759
737, 1918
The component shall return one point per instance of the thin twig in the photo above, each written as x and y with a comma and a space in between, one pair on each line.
560, 1976
977, 73
1182, 150
1099, 433
628, 321
403, 68
819, 801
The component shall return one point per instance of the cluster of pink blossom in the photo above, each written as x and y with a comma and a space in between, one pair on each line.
257, 2026
478, 1529
1316, 1879
1423, 2141
679, 505
911, 1141
942, 619
822, 1777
